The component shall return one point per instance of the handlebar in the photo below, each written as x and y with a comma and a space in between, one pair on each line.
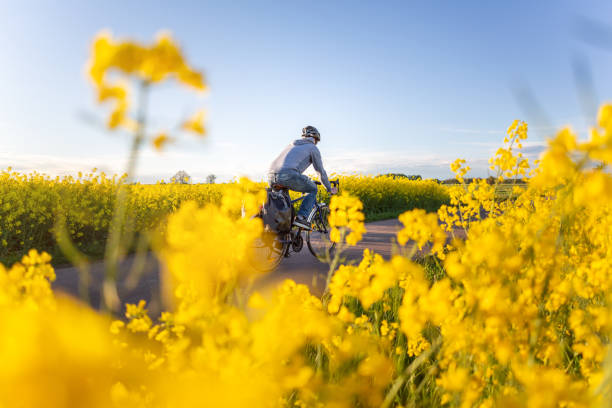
332, 182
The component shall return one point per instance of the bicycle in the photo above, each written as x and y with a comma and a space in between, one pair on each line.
272, 247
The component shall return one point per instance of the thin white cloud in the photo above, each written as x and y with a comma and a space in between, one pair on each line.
225, 144
54, 165
226, 164
380, 162
495, 144
579, 124
471, 131
425, 164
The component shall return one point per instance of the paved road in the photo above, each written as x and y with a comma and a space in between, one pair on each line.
301, 267
305, 268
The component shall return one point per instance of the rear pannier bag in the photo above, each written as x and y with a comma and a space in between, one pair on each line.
276, 212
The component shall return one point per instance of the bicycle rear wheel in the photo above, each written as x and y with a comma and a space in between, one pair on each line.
268, 250
317, 239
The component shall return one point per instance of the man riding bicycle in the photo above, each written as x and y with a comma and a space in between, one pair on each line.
287, 169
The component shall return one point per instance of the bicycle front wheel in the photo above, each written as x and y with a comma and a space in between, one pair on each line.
317, 239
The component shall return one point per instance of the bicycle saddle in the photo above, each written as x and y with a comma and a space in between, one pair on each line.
277, 186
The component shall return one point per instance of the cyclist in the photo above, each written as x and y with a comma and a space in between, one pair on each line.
288, 167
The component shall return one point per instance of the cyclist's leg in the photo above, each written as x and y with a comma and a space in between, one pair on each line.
298, 182
307, 186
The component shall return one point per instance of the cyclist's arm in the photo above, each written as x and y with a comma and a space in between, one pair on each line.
317, 163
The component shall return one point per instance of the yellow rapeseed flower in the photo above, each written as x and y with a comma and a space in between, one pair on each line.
195, 124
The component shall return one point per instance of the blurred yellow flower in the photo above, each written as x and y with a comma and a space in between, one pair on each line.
195, 124
160, 141
148, 64
346, 219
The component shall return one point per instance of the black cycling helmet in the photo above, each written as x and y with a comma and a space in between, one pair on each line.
311, 131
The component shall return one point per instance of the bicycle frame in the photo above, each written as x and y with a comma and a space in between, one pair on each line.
316, 211
312, 212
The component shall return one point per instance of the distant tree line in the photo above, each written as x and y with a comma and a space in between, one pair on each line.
181, 177
490, 180
401, 176
467, 180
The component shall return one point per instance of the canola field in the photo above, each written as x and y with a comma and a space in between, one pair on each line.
516, 314
31, 204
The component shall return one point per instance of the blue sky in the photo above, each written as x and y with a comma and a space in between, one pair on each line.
393, 86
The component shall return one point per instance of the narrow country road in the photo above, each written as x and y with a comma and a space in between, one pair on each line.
301, 267
305, 268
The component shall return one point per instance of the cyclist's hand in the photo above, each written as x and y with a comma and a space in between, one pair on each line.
334, 190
